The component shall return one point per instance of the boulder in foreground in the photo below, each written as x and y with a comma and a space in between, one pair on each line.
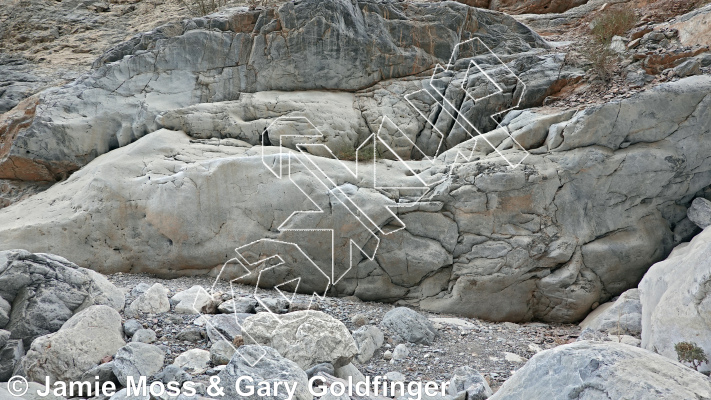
593, 370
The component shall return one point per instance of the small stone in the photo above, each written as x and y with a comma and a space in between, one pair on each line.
688, 68
514, 358
238, 305
221, 352
131, 326
700, 212
388, 355
360, 320
173, 373
195, 361
153, 301
395, 376
144, 336
140, 289
401, 352
191, 334
323, 367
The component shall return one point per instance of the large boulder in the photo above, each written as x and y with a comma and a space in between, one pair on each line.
306, 45
623, 316
594, 370
263, 364
82, 342
676, 303
45, 291
518, 244
305, 337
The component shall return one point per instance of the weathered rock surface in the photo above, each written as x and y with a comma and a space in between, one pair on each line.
299, 46
11, 353
518, 241
676, 304
590, 370
136, 360
152, 301
225, 326
195, 300
469, 380
194, 361
623, 316
368, 339
271, 368
410, 325
305, 337
700, 212
221, 352
537, 241
81, 343
45, 291
243, 305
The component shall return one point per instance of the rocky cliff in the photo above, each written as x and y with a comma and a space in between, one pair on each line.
204, 135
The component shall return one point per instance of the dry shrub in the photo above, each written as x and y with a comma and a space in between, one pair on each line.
613, 22
199, 8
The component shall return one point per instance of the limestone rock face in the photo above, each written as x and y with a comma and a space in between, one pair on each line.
78, 346
587, 370
45, 291
676, 304
308, 45
510, 244
305, 337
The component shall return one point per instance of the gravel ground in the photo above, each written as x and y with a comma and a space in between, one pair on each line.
494, 349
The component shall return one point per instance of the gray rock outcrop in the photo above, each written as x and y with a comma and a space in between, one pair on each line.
82, 342
305, 337
676, 300
588, 370
541, 241
309, 45
45, 291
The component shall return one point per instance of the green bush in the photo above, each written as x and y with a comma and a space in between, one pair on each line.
690, 353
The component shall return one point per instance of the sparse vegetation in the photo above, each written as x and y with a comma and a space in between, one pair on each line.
690, 353
610, 23
349, 154
614, 22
